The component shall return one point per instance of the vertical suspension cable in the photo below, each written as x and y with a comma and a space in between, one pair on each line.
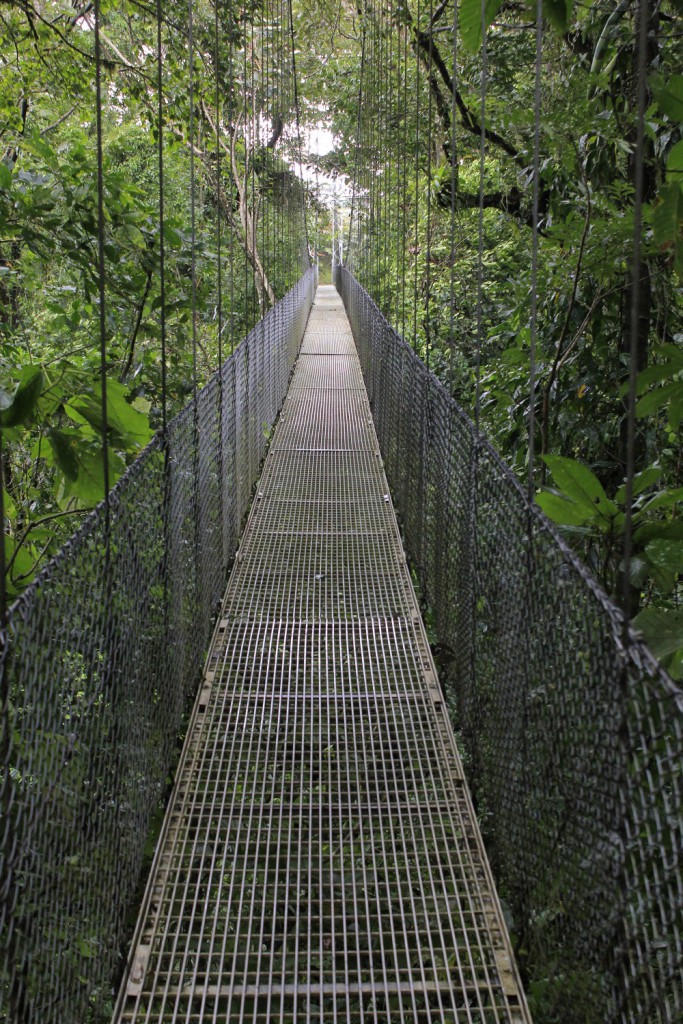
231, 193
480, 230
162, 240
396, 115
253, 144
219, 239
244, 184
356, 169
533, 327
371, 230
453, 176
264, 112
193, 200
387, 167
416, 346
404, 184
282, 106
219, 296
636, 302
428, 305
193, 293
379, 167
101, 280
298, 134
163, 327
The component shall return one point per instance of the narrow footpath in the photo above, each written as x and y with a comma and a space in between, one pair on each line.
320, 859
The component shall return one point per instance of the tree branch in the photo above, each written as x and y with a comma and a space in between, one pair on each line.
61, 120
557, 362
511, 202
34, 525
136, 328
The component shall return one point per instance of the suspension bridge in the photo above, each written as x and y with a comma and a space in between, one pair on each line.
241, 778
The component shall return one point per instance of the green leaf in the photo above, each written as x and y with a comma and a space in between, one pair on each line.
514, 356
172, 236
88, 486
558, 13
470, 20
563, 511
88, 948
135, 235
25, 398
676, 411
646, 478
142, 405
659, 501
666, 553
657, 372
580, 485
662, 629
667, 221
41, 149
669, 95
5, 176
128, 425
674, 163
641, 481
654, 400
669, 529
665, 558
64, 453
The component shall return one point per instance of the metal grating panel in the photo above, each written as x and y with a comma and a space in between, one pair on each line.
326, 419
320, 859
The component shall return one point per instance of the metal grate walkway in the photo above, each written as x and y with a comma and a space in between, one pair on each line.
320, 859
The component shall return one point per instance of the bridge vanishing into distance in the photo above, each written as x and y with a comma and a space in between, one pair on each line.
321, 859
413, 765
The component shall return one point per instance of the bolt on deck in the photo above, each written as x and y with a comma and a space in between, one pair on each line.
320, 859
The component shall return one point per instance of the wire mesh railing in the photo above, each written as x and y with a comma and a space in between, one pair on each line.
103, 653
575, 741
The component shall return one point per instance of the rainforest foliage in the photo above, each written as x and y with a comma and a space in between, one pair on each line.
228, 167
416, 111
458, 285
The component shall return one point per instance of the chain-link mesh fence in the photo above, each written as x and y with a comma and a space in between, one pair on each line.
575, 741
103, 653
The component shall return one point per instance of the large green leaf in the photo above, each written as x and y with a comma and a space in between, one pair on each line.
558, 13
662, 500
472, 12
128, 425
25, 398
674, 162
580, 485
88, 486
669, 95
662, 629
471, 19
64, 453
641, 481
657, 398
666, 554
564, 511
667, 222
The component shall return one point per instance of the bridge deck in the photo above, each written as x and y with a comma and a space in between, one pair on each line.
320, 859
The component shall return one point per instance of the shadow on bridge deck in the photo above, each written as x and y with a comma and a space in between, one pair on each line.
320, 859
